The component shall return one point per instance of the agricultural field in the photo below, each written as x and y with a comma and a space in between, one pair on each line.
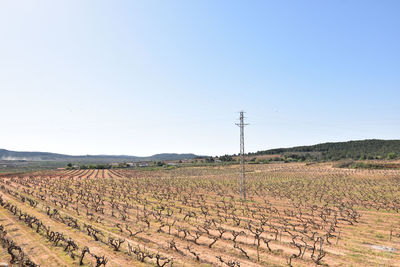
295, 214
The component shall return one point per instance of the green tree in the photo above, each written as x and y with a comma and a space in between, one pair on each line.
391, 155
226, 158
210, 160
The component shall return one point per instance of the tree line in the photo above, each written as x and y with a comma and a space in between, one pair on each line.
364, 149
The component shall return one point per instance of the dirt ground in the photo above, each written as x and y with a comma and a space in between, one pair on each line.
294, 214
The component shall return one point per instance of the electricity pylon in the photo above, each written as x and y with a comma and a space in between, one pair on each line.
242, 176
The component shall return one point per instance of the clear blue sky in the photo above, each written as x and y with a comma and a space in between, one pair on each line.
145, 77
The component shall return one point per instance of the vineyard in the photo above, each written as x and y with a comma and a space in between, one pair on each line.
295, 215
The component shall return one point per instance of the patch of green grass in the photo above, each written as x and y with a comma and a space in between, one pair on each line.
356, 257
380, 236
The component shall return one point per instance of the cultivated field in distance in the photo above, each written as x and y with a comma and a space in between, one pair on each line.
295, 214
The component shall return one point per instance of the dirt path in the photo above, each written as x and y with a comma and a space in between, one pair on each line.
81, 239
30, 241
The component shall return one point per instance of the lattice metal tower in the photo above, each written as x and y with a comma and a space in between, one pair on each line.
242, 176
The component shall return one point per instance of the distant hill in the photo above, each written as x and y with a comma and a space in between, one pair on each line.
363, 149
46, 156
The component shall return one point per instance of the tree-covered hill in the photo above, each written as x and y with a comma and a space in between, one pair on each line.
364, 149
